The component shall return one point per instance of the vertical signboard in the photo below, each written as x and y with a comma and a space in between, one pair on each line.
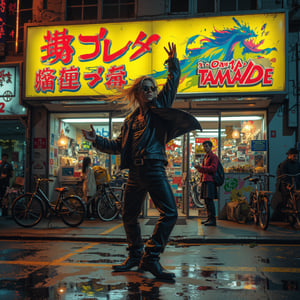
10, 91
2, 26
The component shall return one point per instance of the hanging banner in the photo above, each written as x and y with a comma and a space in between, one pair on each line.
218, 55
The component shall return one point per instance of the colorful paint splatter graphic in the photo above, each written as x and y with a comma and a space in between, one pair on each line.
233, 48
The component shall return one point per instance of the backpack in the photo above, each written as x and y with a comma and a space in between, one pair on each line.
101, 175
219, 176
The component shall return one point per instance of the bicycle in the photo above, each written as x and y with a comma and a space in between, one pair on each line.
259, 201
291, 209
109, 201
28, 209
195, 192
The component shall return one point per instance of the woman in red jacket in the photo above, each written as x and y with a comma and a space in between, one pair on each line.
208, 187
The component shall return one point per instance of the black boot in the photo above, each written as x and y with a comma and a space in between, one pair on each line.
212, 213
212, 222
205, 221
133, 260
150, 263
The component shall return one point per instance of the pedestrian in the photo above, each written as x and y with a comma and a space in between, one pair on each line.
141, 143
6, 172
290, 165
208, 186
89, 186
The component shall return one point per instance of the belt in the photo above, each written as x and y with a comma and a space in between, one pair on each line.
138, 161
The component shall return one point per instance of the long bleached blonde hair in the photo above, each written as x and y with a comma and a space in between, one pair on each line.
129, 96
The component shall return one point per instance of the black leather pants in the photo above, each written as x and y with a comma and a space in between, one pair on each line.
150, 177
210, 207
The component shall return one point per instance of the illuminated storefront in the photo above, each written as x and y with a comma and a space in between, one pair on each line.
226, 61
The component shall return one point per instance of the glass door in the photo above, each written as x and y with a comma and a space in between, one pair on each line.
210, 131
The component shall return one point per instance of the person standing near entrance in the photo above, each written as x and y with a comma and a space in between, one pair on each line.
89, 186
141, 143
208, 186
6, 172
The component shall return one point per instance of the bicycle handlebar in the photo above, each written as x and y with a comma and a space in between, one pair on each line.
286, 174
257, 175
43, 179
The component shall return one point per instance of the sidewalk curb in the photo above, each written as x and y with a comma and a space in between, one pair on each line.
190, 240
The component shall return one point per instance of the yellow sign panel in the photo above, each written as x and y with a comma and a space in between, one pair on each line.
218, 55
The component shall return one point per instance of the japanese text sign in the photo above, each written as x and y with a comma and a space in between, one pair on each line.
9, 91
241, 54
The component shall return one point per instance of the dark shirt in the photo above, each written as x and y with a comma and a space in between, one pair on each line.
149, 142
137, 131
7, 169
288, 167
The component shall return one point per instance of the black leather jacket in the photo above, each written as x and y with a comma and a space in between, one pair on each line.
163, 124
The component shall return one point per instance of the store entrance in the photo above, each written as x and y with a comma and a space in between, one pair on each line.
233, 134
182, 153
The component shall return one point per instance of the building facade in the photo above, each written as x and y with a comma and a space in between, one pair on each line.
239, 61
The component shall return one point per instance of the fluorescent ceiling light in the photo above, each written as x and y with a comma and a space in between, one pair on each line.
90, 120
118, 120
241, 118
233, 118
207, 119
212, 130
210, 134
93, 120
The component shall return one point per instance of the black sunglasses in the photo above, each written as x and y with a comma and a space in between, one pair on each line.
148, 88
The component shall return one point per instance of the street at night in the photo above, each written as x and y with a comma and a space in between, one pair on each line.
135, 133
82, 270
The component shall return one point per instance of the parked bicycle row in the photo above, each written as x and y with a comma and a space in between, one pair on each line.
30, 208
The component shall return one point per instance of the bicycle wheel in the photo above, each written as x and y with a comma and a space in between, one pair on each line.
294, 217
264, 213
195, 195
27, 211
72, 211
254, 208
107, 208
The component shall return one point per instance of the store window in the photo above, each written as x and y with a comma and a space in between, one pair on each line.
225, 5
243, 142
68, 147
233, 5
179, 6
205, 6
115, 9
82, 10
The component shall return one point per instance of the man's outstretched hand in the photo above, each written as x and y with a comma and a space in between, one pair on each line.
171, 51
89, 135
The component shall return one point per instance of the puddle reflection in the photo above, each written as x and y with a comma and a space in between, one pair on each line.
191, 282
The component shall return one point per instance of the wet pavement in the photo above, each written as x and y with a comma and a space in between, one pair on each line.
82, 270
230, 261
185, 231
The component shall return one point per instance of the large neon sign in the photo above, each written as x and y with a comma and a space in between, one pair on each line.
241, 54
